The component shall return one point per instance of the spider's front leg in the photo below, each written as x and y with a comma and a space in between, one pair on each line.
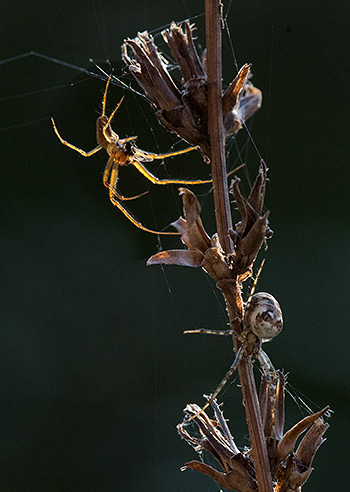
73, 147
225, 379
204, 331
232, 368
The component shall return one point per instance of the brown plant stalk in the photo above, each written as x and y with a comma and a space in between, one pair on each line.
213, 10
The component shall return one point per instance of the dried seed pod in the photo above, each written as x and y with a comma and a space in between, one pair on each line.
263, 316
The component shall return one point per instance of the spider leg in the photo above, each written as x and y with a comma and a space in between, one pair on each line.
104, 103
108, 123
110, 118
203, 331
144, 171
255, 284
110, 178
104, 100
123, 140
138, 224
71, 146
268, 369
227, 376
149, 155
272, 378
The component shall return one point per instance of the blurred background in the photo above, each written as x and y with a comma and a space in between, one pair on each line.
95, 370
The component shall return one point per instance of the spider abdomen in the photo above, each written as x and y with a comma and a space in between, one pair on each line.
263, 316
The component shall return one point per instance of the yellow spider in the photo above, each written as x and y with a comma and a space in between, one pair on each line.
122, 152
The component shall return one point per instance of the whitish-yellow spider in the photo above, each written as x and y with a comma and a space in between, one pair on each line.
123, 152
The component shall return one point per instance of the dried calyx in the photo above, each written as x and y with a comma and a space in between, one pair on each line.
184, 110
290, 467
249, 235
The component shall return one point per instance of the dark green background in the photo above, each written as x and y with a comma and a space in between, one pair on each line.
95, 370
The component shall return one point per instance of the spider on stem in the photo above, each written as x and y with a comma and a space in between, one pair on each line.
123, 153
262, 321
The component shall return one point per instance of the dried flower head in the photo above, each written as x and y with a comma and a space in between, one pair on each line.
185, 111
205, 252
289, 467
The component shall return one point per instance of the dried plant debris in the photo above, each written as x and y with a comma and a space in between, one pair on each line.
184, 110
289, 467
205, 252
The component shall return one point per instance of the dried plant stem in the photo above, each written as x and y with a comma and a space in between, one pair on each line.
215, 122
224, 224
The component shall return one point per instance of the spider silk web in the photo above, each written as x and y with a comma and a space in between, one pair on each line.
46, 81
100, 336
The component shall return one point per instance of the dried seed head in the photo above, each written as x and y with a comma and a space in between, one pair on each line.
263, 316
